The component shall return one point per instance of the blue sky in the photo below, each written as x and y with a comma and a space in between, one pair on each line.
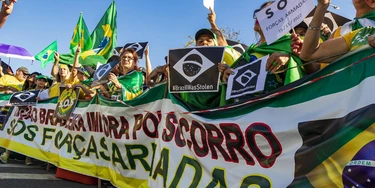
165, 24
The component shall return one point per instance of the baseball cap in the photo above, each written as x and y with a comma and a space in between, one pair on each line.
82, 70
42, 77
24, 70
205, 31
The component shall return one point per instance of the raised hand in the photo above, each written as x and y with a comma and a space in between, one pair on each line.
212, 16
7, 9
57, 57
78, 49
324, 2
146, 51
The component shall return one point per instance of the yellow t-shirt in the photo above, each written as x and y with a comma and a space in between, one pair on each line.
230, 56
11, 81
349, 38
54, 90
337, 33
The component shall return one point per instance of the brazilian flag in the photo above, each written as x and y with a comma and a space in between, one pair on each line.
104, 37
47, 54
81, 36
132, 85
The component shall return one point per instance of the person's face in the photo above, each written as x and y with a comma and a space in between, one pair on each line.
127, 61
32, 78
300, 31
41, 83
257, 27
20, 75
205, 40
80, 76
63, 71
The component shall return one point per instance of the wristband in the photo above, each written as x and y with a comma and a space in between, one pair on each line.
314, 28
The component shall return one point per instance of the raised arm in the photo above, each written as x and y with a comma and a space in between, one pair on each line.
55, 67
148, 62
214, 28
6, 10
311, 40
311, 49
76, 64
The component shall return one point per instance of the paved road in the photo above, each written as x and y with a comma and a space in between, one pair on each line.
15, 174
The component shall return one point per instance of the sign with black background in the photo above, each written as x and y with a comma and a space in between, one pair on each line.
139, 47
101, 74
248, 78
194, 69
24, 98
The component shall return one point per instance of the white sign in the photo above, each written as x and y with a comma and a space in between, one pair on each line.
280, 17
209, 3
247, 79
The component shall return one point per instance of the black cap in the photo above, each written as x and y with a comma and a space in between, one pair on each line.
204, 31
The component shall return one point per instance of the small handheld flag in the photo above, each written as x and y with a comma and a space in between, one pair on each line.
47, 55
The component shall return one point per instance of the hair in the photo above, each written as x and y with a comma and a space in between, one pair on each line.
57, 78
135, 56
265, 4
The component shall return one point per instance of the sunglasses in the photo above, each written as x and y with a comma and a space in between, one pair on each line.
254, 15
127, 58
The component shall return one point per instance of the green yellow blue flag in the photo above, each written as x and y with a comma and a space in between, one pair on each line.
81, 35
104, 36
47, 55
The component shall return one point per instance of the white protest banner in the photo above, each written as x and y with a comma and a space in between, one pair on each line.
280, 17
319, 133
209, 3
247, 79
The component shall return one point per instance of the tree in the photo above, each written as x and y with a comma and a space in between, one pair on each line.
228, 33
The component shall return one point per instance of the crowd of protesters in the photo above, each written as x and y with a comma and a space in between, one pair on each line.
127, 80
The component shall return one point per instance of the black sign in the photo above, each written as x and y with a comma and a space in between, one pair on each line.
25, 98
67, 102
139, 47
101, 74
239, 47
248, 78
194, 69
